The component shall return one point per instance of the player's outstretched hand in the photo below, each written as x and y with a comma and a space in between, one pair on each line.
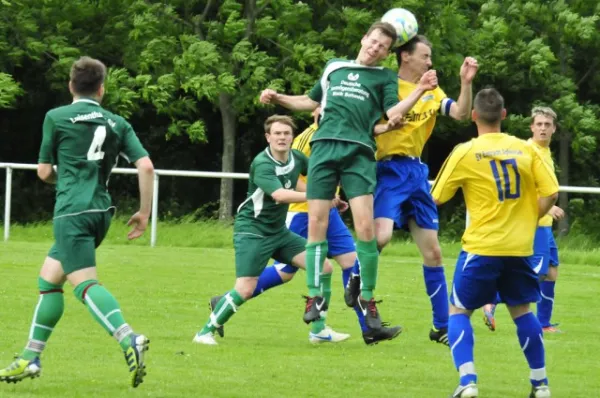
268, 96
557, 213
429, 80
468, 70
139, 222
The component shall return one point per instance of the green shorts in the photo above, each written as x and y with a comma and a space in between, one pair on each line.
252, 252
333, 162
77, 237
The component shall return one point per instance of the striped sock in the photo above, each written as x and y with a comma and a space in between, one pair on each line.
48, 312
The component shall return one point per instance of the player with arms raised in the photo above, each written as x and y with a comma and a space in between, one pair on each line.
402, 197
500, 176
353, 95
84, 141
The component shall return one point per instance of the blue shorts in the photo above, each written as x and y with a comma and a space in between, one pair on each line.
339, 238
545, 252
477, 280
403, 192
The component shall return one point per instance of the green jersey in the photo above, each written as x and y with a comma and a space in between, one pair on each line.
259, 214
84, 141
353, 99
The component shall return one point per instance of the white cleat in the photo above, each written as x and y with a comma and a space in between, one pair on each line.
468, 391
207, 339
327, 335
540, 392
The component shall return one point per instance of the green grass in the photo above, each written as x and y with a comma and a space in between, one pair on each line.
163, 292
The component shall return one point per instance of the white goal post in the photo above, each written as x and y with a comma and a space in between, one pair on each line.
172, 173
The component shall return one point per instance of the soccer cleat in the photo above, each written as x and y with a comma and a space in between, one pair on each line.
134, 356
439, 336
374, 336
316, 307
327, 335
540, 392
552, 328
212, 305
370, 312
352, 291
206, 339
468, 391
489, 311
21, 369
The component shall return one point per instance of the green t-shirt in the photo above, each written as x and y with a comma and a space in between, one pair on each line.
259, 214
353, 99
84, 142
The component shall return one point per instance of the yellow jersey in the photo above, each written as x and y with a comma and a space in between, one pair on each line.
547, 220
501, 177
411, 138
302, 143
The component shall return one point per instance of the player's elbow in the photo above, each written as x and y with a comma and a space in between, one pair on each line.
554, 197
145, 166
44, 172
279, 196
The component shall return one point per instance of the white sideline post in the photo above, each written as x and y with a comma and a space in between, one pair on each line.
154, 215
7, 201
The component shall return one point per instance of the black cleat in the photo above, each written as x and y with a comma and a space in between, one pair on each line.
315, 308
212, 305
439, 336
370, 312
352, 291
374, 336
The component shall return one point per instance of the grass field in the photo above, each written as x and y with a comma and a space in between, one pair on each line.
164, 291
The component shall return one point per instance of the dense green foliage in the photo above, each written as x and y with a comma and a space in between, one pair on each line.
187, 73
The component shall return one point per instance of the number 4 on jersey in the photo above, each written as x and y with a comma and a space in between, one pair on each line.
505, 185
95, 151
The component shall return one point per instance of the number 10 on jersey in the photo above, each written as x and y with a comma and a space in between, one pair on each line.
508, 179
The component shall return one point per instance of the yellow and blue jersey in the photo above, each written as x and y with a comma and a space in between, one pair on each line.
302, 144
547, 220
501, 177
410, 139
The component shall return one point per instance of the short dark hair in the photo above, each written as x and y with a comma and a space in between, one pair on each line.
284, 119
87, 75
488, 104
386, 28
410, 47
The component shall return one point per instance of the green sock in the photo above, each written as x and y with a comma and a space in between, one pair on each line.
315, 258
319, 325
368, 256
224, 309
47, 313
105, 310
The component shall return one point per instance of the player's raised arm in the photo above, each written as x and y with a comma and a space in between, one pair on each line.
428, 82
461, 109
292, 102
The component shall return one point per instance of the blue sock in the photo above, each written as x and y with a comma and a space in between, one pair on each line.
462, 342
435, 284
346, 274
268, 278
531, 340
546, 304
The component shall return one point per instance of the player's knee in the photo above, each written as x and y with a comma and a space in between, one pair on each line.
286, 276
365, 229
327, 268
383, 239
552, 274
245, 287
432, 255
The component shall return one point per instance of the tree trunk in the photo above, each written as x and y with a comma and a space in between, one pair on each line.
563, 164
228, 117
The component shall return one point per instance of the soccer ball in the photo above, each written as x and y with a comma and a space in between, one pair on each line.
404, 22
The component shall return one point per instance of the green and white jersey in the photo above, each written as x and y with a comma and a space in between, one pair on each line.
259, 214
353, 99
84, 141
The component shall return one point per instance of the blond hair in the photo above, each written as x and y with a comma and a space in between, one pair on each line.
543, 111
